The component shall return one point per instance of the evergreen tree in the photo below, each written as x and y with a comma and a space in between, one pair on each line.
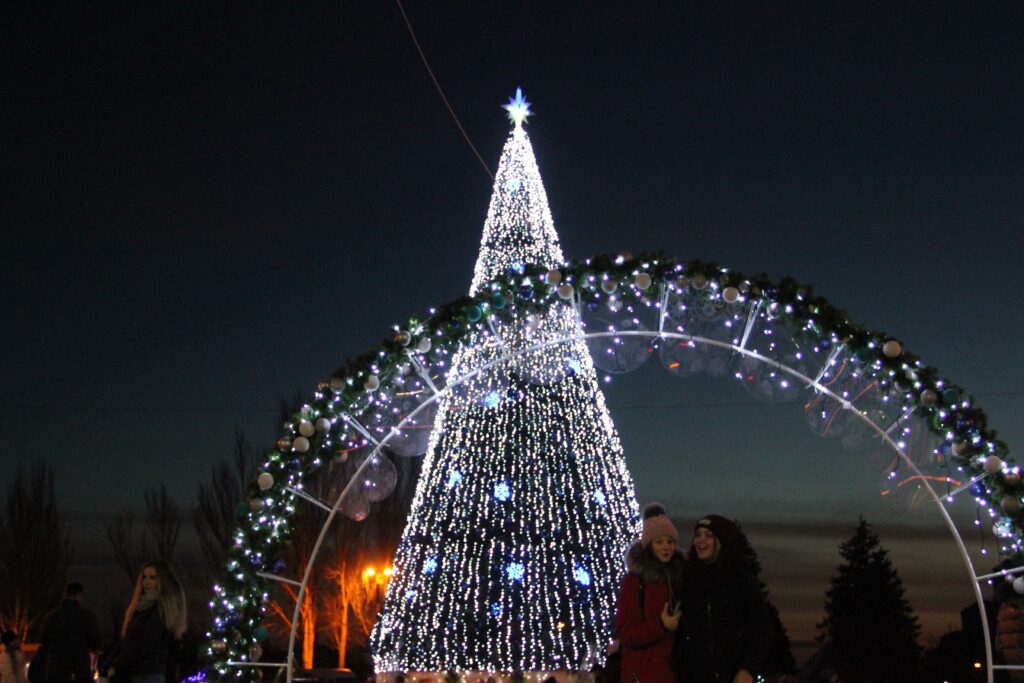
780, 656
867, 617
512, 555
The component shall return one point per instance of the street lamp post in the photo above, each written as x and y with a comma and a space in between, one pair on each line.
377, 580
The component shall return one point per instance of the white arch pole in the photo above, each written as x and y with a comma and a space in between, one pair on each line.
810, 382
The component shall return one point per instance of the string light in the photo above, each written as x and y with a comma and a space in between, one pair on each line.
524, 494
513, 550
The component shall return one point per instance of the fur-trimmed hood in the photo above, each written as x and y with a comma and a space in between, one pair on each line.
650, 570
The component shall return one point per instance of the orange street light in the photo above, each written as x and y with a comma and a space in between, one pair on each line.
377, 578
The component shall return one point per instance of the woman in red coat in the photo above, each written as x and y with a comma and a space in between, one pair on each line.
647, 611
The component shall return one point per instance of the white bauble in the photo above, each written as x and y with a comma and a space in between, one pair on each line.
306, 428
265, 480
565, 291
423, 345
322, 425
730, 295
643, 281
608, 286
554, 277
372, 383
1018, 585
300, 444
255, 504
892, 348
993, 464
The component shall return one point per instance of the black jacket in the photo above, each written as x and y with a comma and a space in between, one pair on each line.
146, 645
69, 633
725, 628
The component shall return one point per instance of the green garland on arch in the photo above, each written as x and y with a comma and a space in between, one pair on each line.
312, 434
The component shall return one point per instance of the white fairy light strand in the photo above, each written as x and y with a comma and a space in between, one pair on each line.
512, 554
509, 359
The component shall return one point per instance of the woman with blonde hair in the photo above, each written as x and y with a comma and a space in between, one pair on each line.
154, 620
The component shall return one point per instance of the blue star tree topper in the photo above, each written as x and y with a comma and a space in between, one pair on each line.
518, 108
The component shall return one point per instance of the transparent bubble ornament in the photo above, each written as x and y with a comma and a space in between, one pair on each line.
485, 382
878, 409
358, 486
774, 341
557, 357
347, 439
619, 349
904, 488
847, 383
404, 422
702, 316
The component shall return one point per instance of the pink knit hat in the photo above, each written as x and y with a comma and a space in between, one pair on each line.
657, 523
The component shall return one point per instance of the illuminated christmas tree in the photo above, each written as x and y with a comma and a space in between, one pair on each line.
513, 551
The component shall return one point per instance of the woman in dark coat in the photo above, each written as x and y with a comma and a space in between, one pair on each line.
647, 609
153, 622
726, 633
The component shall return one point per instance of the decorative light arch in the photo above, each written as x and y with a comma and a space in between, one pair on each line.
778, 339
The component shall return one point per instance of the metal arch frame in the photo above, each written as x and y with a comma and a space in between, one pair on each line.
507, 355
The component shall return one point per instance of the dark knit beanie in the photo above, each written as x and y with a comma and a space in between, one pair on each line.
723, 529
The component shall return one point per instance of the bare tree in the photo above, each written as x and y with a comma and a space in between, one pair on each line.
129, 553
35, 550
163, 520
215, 517
308, 521
350, 603
350, 600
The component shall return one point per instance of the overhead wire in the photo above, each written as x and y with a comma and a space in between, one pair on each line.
440, 91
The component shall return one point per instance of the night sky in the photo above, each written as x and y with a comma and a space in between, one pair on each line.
207, 208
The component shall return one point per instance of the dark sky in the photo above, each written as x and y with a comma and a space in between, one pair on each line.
207, 208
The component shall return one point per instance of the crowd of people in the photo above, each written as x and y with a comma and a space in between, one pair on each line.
698, 617
70, 638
